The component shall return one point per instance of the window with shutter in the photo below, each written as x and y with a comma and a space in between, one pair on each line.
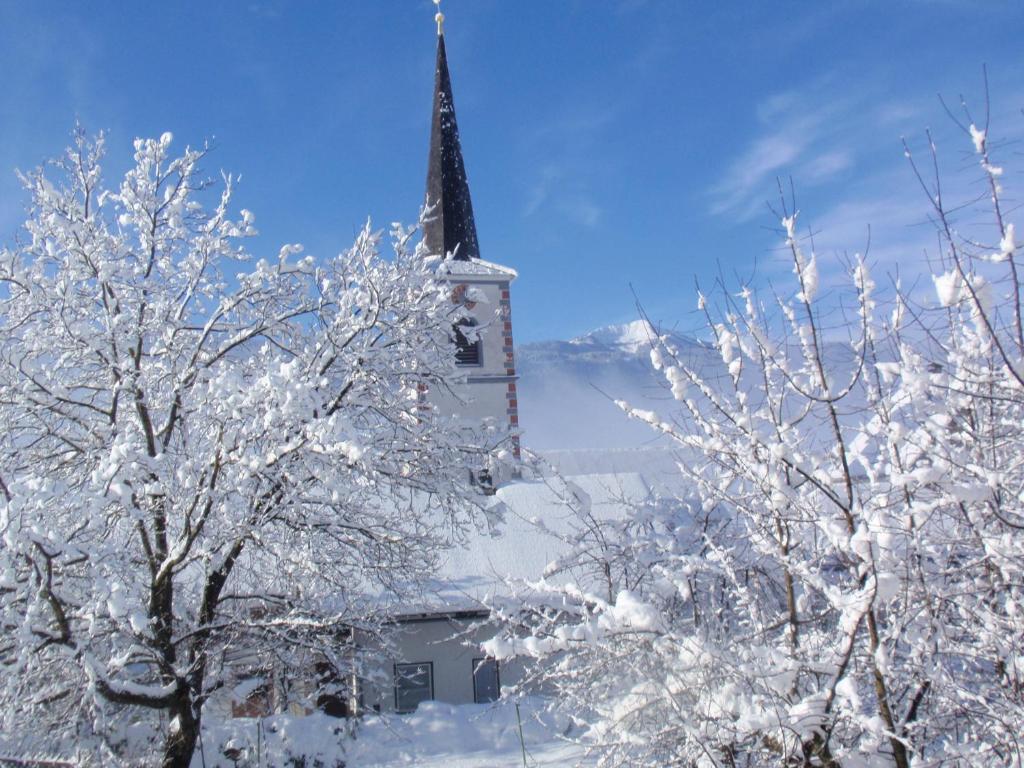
467, 344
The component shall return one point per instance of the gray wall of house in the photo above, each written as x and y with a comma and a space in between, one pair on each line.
451, 646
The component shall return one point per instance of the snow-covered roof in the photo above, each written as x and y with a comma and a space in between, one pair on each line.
475, 268
657, 466
537, 519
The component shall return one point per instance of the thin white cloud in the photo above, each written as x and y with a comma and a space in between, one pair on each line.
562, 177
540, 192
749, 173
888, 228
266, 10
777, 105
828, 132
828, 164
557, 190
582, 210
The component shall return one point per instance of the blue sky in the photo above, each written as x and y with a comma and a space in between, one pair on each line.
609, 144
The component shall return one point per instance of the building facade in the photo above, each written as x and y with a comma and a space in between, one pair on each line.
436, 654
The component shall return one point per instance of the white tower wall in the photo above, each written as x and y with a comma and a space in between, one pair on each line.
488, 396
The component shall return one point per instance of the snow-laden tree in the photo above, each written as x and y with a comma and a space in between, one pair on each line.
202, 453
846, 586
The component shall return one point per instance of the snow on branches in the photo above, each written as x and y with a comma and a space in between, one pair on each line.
202, 451
844, 586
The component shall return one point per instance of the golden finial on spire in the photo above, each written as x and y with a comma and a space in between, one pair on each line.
439, 18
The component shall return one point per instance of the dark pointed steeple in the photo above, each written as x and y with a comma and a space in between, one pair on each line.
447, 186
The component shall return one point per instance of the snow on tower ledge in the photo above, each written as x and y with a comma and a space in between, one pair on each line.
477, 268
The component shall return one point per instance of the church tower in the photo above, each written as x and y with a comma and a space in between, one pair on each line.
484, 338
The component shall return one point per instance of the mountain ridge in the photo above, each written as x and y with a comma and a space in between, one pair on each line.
567, 389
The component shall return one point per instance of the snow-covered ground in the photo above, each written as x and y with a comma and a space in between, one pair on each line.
435, 736
465, 736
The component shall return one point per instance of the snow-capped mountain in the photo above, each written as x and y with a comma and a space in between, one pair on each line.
629, 337
567, 389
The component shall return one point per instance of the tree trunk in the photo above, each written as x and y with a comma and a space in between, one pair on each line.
182, 735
